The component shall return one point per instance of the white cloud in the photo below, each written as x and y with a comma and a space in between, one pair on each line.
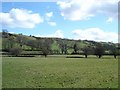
48, 19
95, 34
109, 20
58, 34
52, 23
50, 14
20, 18
85, 9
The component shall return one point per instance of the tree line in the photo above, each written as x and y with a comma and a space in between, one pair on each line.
14, 44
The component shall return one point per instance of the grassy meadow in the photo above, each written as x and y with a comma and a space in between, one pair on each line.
59, 72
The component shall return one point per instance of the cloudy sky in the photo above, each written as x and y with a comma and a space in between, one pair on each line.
74, 19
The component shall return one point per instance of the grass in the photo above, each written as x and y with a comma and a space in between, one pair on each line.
60, 72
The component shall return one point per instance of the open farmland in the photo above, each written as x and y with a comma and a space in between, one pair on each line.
60, 72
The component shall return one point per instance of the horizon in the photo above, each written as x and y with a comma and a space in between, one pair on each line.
63, 19
62, 38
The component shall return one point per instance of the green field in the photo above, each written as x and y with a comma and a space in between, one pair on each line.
60, 72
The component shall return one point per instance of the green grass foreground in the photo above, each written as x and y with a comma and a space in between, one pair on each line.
60, 72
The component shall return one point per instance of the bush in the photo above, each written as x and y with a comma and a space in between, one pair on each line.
15, 51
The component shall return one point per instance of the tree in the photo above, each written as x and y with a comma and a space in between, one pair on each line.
12, 41
55, 48
5, 44
32, 43
5, 33
62, 48
15, 51
99, 50
65, 49
45, 51
44, 46
8, 43
21, 39
114, 51
86, 51
75, 47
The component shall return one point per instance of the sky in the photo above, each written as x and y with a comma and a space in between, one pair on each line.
72, 19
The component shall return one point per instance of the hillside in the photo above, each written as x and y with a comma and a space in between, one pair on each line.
54, 45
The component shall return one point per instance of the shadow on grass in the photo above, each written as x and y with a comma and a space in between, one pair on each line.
17, 56
74, 57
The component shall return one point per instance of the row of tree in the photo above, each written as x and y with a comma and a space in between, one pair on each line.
15, 43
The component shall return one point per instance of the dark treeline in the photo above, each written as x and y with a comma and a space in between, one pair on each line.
19, 45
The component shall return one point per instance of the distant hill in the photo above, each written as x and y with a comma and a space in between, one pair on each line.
55, 44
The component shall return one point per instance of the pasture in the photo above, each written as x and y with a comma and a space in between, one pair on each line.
59, 72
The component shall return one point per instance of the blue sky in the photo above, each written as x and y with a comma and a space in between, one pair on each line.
73, 19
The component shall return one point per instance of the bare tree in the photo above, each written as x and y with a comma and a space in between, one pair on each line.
114, 51
16, 51
99, 50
